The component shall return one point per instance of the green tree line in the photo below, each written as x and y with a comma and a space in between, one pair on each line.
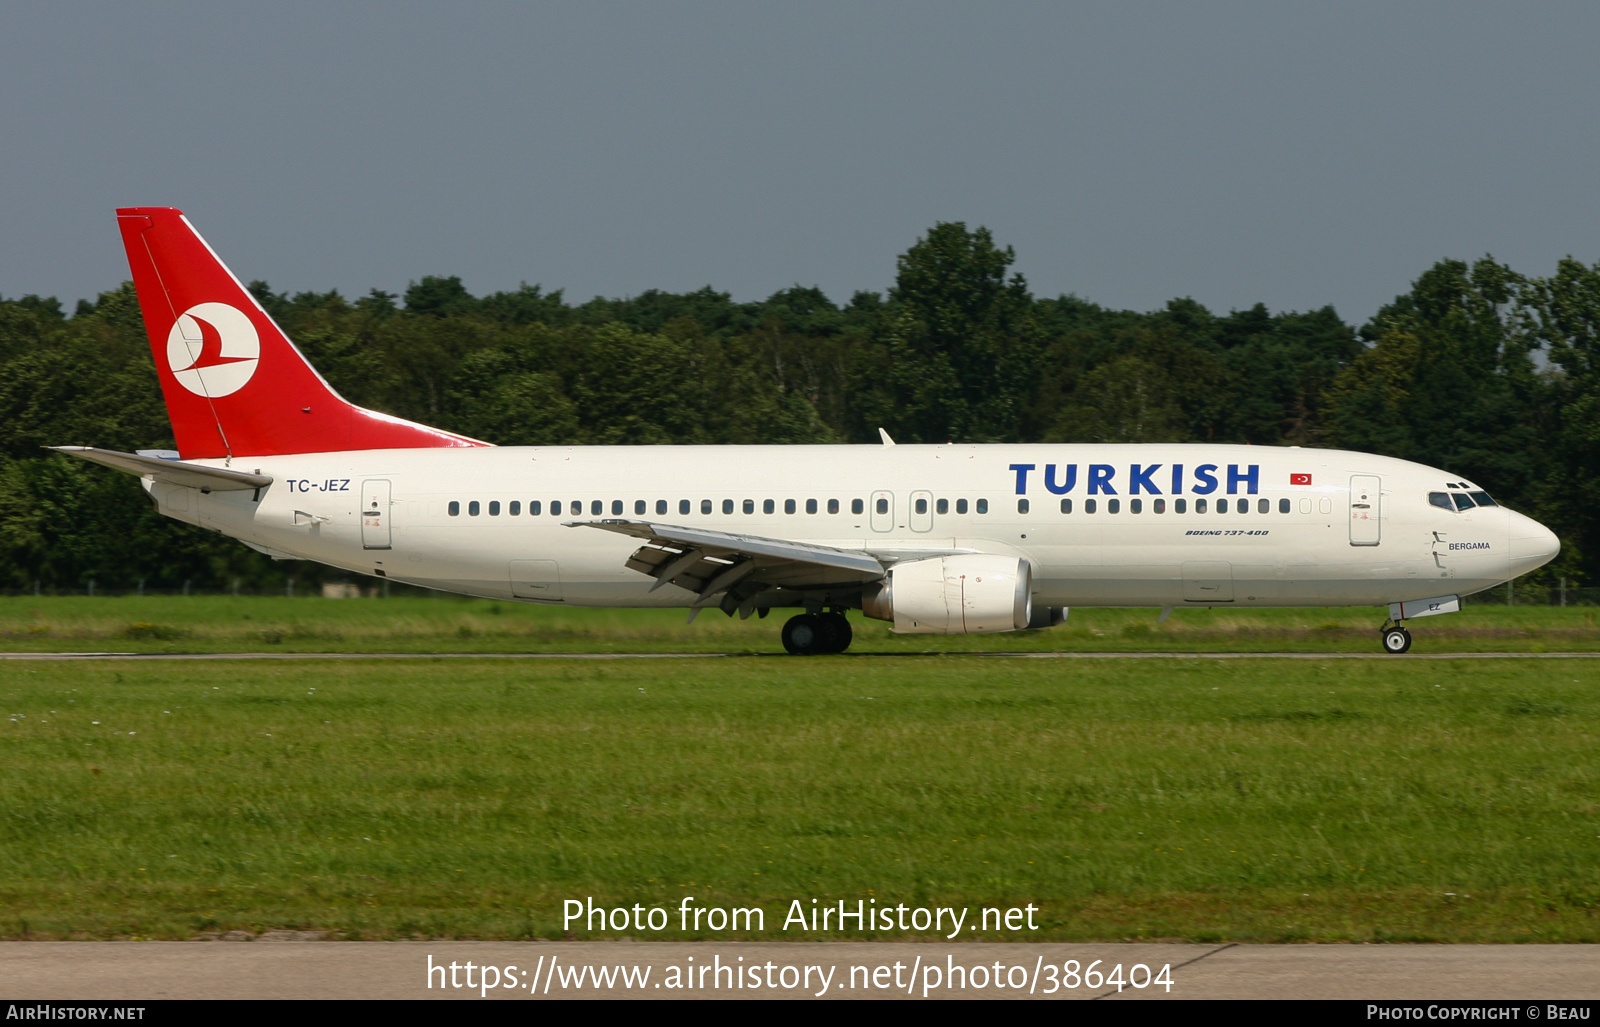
1476, 368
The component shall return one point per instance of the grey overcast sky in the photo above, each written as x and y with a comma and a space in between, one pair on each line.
1294, 154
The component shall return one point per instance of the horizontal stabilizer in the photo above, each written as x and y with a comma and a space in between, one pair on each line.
173, 472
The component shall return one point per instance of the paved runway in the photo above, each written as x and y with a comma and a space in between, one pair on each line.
716, 656
264, 969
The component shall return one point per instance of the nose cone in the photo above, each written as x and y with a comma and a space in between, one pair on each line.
1532, 544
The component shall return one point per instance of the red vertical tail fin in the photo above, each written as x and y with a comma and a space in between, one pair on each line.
234, 383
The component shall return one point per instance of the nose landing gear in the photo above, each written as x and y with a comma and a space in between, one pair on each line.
1395, 638
816, 634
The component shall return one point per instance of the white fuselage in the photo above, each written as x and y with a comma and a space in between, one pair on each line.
1363, 532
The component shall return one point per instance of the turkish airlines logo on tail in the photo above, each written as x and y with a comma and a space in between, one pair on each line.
213, 349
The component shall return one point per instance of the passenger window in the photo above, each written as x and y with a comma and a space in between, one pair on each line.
811, 506
1159, 506
749, 506
983, 506
1463, 501
1222, 505
515, 508
922, 505
961, 506
1200, 506
1180, 506
639, 506
727, 506
857, 506
941, 506
1305, 506
683, 506
473, 508
833, 506
1135, 506
455, 508
1325, 505
768, 506
1113, 506
883, 505
1089, 506
494, 508
596, 508
1482, 499
1066, 506
705, 506
616, 507
1283, 506
1022, 506
788, 506
661, 506
555, 508
535, 508
1265, 506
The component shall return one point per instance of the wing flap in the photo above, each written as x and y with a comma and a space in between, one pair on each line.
708, 562
173, 472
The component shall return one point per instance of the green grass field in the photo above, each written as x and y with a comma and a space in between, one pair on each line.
1265, 800
450, 624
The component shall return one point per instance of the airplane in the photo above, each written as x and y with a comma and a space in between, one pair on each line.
936, 539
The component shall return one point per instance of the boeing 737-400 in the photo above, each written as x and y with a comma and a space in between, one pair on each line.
951, 539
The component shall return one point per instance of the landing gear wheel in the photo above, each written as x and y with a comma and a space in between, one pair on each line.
836, 628
811, 634
1396, 640
804, 635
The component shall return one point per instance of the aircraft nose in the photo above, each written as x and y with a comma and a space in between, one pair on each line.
1532, 544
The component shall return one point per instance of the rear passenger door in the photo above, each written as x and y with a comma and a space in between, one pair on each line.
375, 513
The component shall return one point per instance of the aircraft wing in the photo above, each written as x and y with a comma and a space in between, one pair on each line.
174, 472
711, 562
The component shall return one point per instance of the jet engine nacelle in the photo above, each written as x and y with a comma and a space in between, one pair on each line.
954, 595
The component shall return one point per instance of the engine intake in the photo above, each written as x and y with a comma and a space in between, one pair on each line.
954, 595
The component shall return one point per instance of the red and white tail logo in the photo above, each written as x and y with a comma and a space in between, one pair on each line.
213, 349
234, 383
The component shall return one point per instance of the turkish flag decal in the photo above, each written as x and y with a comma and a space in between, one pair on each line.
1299, 479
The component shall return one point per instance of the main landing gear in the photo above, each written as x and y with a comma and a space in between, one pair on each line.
1395, 638
814, 634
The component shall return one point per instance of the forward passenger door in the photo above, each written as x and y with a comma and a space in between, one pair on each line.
1366, 511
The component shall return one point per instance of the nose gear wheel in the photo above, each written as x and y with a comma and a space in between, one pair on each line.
1396, 640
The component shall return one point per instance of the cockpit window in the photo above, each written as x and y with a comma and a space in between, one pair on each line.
1483, 499
1440, 500
1463, 502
